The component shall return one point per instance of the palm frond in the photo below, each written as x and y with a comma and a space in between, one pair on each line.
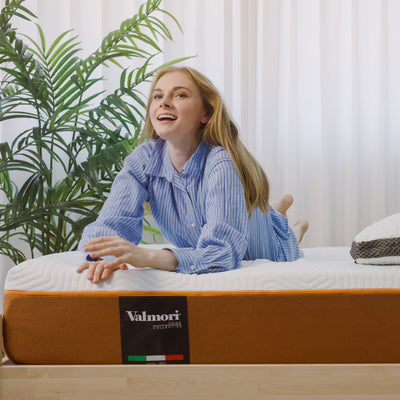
8, 250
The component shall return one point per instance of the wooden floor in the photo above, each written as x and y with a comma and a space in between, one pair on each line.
233, 382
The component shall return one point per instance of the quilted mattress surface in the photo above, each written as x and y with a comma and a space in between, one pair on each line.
321, 269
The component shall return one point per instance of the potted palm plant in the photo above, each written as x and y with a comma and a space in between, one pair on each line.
55, 175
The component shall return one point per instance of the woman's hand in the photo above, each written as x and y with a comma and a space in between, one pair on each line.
125, 253
99, 270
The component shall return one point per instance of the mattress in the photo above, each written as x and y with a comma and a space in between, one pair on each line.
322, 308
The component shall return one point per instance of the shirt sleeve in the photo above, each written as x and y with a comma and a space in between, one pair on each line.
122, 212
223, 239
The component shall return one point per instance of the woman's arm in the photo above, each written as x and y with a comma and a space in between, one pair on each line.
125, 253
122, 212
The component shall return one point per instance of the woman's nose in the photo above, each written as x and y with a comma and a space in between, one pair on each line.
165, 102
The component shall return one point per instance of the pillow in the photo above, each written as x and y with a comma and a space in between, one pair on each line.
379, 243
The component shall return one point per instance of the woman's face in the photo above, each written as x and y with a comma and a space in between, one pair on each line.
177, 111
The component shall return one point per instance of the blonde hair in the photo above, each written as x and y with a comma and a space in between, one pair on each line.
220, 130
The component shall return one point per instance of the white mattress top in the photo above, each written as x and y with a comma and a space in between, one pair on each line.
324, 268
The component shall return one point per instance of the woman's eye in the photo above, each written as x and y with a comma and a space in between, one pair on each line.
157, 96
181, 95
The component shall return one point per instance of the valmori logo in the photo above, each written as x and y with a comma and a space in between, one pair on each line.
142, 316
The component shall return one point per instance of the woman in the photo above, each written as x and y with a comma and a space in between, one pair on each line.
208, 195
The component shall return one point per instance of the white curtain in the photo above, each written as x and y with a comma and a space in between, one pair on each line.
314, 86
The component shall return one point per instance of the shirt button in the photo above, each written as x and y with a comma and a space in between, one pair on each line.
183, 172
192, 267
192, 224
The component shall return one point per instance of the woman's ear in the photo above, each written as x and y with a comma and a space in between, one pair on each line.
205, 119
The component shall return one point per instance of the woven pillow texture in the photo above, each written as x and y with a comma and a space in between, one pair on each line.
379, 243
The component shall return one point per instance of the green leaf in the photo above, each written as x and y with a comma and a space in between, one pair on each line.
173, 18
6, 249
63, 54
42, 38
151, 230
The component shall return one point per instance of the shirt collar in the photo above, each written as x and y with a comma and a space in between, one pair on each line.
194, 166
160, 163
155, 165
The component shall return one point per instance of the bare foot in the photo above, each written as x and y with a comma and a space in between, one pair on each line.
299, 229
282, 204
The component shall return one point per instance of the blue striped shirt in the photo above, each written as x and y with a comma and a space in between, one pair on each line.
201, 210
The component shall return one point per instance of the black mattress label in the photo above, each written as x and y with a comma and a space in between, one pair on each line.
154, 329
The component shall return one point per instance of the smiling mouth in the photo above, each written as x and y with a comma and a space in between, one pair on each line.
166, 117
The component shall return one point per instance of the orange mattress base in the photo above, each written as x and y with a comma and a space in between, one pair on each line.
336, 326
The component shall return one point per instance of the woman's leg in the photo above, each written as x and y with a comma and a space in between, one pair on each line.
282, 204
299, 229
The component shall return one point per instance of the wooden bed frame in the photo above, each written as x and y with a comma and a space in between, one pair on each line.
191, 382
